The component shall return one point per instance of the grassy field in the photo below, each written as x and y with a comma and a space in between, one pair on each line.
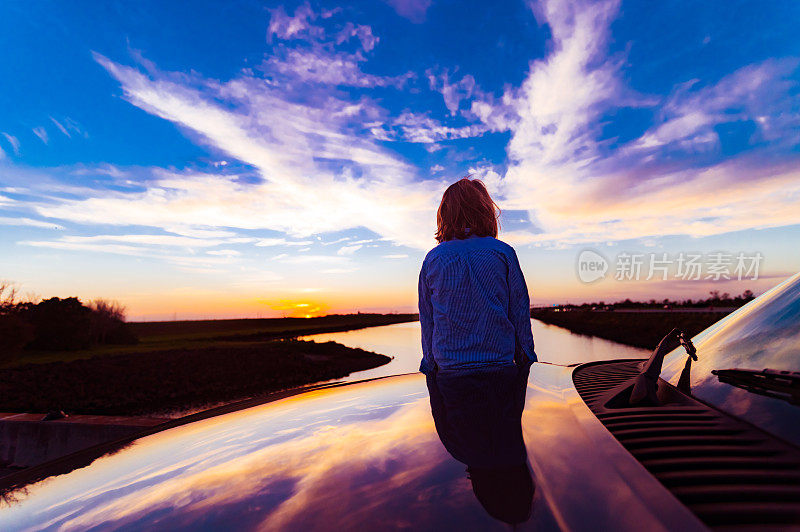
639, 329
159, 382
184, 365
166, 335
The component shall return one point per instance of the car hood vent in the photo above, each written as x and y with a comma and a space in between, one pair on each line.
728, 472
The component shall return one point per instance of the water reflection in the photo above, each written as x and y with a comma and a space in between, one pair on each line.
477, 415
402, 342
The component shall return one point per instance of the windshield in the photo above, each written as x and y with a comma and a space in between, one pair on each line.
765, 334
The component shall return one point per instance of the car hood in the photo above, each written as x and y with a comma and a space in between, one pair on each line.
764, 334
360, 456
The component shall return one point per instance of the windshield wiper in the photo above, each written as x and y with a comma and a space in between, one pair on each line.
776, 383
645, 386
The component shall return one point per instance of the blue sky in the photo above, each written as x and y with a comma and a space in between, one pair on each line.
249, 158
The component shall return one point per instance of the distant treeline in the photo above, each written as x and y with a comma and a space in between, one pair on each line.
715, 299
639, 329
57, 324
641, 324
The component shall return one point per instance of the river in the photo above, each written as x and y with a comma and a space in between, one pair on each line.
401, 341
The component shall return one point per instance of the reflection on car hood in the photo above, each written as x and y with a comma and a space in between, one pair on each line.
764, 334
368, 456
478, 417
341, 453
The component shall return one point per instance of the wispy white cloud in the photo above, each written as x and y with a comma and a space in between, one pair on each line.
311, 259
209, 262
318, 169
413, 10
579, 191
475, 110
283, 26
13, 141
361, 32
421, 128
308, 155
28, 222
324, 160
203, 263
337, 241
68, 127
75, 127
396, 256
759, 92
154, 240
97, 247
224, 252
433, 148
41, 132
331, 68
179, 250
196, 232
558, 125
453, 93
60, 127
270, 242
320, 61
349, 250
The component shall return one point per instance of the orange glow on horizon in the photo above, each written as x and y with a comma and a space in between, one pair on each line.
146, 304
297, 309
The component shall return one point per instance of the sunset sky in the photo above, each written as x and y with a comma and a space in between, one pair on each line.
242, 159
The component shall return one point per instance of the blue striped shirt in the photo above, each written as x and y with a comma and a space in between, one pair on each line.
474, 307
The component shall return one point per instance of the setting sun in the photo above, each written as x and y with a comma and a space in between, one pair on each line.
298, 309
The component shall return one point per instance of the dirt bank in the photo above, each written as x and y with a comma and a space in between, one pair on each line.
160, 381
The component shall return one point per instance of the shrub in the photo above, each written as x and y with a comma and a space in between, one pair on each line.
15, 333
108, 323
60, 324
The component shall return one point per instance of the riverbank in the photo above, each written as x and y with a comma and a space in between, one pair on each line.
167, 335
635, 328
187, 365
157, 382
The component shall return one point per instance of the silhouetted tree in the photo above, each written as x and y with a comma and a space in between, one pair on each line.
60, 324
105, 316
15, 332
108, 323
8, 294
714, 299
